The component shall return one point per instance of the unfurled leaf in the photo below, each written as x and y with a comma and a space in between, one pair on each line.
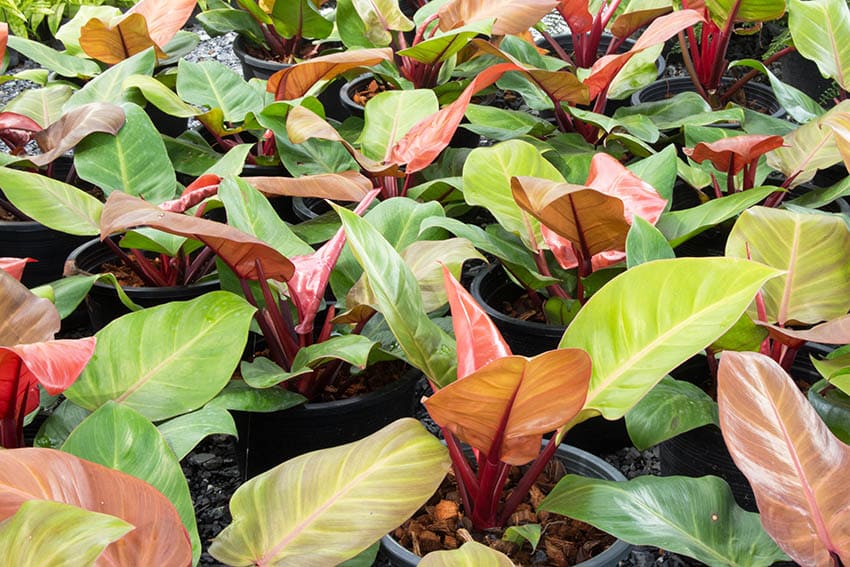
745, 10
112, 45
62, 63
64, 134
513, 401
645, 243
511, 17
814, 250
45, 474
211, 84
292, 512
696, 517
444, 46
294, 81
61, 534
238, 250
43, 105
735, 153
164, 18
670, 310
794, 464
26, 318
390, 115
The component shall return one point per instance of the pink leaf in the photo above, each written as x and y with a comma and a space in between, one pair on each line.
737, 151
164, 17
15, 266
201, 188
54, 364
478, 340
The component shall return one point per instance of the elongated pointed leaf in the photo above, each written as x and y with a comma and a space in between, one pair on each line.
134, 161
166, 360
62, 63
54, 204
68, 131
113, 44
390, 115
26, 317
669, 310
696, 517
343, 186
14, 266
818, 27
443, 47
184, 432
43, 105
511, 17
792, 461
514, 400
164, 18
239, 250
814, 250
470, 554
115, 436
479, 342
294, 81
211, 84
294, 511
834, 332
51, 533
367, 23
399, 300
745, 10
46, 474
109, 85
735, 152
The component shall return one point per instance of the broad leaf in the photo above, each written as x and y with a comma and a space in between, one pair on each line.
62, 63
240, 251
116, 437
645, 243
470, 554
511, 17
513, 400
759, 11
64, 134
238, 395
833, 406
211, 84
696, 517
45, 532
184, 432
735, 153
794, 464
818, 28
164, 17
300, 18
293, 512
46, 474
109, 85
670, 310
26, 318
367, 23
113, 44
442, 47
43, 105
814, 249
173, 358
390, 115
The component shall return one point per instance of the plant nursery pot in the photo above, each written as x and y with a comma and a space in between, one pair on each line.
761, 95
29, 239
803, 74
462, 138
577, 462
102, 302
702, 451
256, 68
268, 439
492, 288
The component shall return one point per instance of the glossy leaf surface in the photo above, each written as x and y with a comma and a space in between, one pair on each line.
64, 134
734, 153
184, 432
818, 28
293, 512
511, 17
164, 18
470, 554
26, 317
794, 464
294, 81
113, 44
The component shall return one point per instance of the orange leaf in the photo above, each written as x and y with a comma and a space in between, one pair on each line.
15, 266
479, 342
26, 317
115, 44
164, 17
576, 14
159, 537
835, 332
514, 400
343, 186
511, 16
796, 466
737, 151
294, 81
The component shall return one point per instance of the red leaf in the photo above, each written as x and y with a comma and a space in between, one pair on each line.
163, 17
16, 130
576, 14
4, 39
737, 151
15, 266
54, 364
479, 342
46, 474
201, 188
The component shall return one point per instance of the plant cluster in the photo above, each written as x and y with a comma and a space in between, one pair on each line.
694, 230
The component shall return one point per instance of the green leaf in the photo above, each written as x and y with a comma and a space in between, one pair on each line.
390, 115
677, 111
220, 21
120, 438
833, 406
820, 196
280, 515
443, 46
500, 124
134, 161
659, 170
819, 29
637, 125
166, 360
368, 23
109, 86
815, 252
43, 532
154, 241
399, 300
670, 310
470, 554
645, 243
670, 408
190, 154
640, 71
525, 533
184, 432
487, 182
42, 105
238, 395
300, 18
62, 63
696, 517
211, 84
161, 96
54, 204
679, 226
56, 428
798, 104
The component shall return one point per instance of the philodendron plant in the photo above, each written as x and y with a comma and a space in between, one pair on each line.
636, 328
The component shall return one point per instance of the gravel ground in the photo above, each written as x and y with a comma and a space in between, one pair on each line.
211, 468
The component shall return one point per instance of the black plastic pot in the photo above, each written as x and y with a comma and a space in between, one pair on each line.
29, 239
462, 138
492, 289
665, 88
268, 439
102, 302
702, 451
576, 462
255, 68
804, 75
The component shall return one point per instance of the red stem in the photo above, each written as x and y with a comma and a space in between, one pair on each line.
528, 479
